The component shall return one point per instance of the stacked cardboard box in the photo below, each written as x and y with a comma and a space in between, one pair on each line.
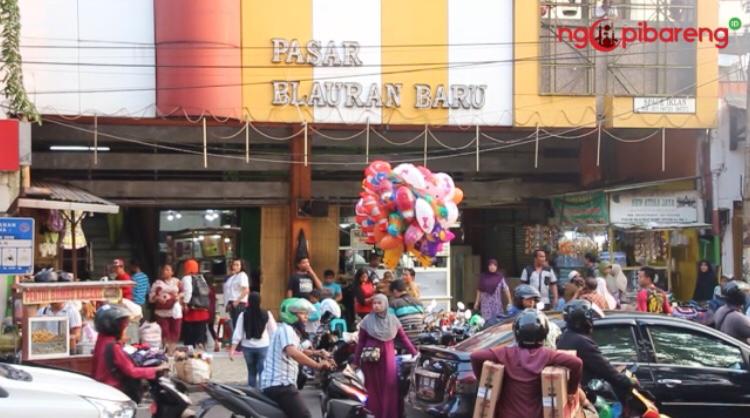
490, 385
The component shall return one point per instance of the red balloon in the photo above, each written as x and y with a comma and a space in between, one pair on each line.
405, 203
376, 167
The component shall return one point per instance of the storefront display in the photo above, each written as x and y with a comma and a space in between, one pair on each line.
540, 236
48, 337
46, 340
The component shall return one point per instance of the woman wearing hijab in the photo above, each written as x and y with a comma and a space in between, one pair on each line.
704, 286
375, 354
254, 327
617, 282
492, 288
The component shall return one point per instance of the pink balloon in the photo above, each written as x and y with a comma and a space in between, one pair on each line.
413, 234
410, 175
446, 186
376, 167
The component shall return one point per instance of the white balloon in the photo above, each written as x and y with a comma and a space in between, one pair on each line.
425, 216
411, 175
452, 217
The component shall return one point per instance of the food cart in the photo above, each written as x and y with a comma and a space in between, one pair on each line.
46, 339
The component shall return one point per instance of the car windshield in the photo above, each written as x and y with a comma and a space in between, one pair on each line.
11, 373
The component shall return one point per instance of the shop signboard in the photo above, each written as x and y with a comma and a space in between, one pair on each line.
45, 293
582, 209
656, 209
16, 245
664, 104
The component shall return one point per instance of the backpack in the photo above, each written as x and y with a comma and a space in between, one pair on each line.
655, 301
199, 299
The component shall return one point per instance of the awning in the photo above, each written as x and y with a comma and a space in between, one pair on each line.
46, 195
625, 187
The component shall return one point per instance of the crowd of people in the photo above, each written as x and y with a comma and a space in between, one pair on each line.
388, 314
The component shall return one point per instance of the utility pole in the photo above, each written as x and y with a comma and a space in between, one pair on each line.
746, 190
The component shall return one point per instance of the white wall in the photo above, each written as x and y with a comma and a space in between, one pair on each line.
731, 167
89, 56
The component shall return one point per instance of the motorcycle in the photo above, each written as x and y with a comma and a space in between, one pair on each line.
170, 399
639, 403
349, 385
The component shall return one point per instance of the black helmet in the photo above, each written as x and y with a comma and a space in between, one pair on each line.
530, 328
579, 315
735, 293
522, 292
108, 319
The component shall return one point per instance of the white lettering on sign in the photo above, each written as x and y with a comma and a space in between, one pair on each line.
352, 94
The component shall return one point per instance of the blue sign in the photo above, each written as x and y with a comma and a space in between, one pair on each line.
16, 245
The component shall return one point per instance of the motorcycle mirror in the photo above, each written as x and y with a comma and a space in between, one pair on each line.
467, 314
461, 306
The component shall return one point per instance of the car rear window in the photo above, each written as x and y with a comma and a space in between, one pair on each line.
500, 334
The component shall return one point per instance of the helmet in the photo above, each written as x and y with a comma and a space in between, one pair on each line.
330, 307
735, 293
291, 306
522, 292
530, 328
109, 318
64, 276
579, 315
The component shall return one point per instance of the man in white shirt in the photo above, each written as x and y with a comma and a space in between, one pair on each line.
541, 277
285, 353
60, 309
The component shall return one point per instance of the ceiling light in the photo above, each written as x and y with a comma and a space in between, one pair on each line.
170, 217
77, 148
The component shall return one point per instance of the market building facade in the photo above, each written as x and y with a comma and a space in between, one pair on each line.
224, 128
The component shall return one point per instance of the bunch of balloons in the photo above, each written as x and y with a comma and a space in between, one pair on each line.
407, 208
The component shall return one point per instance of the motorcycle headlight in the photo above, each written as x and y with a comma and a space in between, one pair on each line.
113, 409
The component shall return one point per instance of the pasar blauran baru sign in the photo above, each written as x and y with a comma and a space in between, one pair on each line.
351, 94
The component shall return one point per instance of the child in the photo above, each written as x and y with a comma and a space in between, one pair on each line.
329, 282
313, 320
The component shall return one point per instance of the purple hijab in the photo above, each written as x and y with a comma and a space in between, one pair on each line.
488, 282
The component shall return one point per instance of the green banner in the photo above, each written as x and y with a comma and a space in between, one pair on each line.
582, 209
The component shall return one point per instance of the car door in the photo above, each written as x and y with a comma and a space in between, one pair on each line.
619, 341
698, 373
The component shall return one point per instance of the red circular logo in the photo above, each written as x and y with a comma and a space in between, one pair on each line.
602, 35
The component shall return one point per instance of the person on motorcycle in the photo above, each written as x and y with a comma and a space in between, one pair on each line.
579, 316
111, 364
278, 380
522, 390
527, 297
730, 318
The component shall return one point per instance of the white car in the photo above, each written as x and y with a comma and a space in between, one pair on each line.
38, 392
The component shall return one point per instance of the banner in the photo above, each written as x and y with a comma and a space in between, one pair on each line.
584, 209
656, 209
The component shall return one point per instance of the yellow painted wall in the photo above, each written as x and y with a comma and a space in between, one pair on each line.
262, 21
529, 108
686, 262
620, 109
414, 22
274, 250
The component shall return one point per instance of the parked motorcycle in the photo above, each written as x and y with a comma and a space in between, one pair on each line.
349, 385
640, 403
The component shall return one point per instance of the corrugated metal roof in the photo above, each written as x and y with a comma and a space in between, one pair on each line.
67, 193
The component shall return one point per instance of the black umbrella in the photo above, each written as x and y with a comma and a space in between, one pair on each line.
302, 251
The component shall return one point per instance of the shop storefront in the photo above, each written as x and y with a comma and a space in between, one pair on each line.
655, 225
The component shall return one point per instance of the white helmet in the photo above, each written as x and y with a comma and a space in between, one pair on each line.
330, 306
